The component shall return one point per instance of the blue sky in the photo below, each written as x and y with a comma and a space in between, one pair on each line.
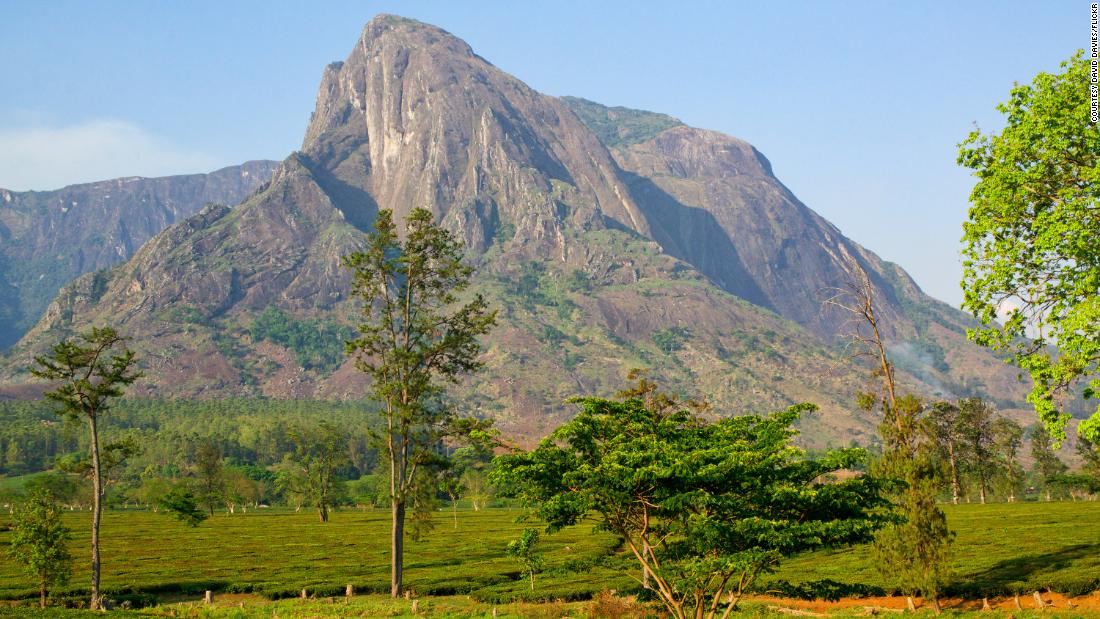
858, 106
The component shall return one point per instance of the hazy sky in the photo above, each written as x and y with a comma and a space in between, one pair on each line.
859, 106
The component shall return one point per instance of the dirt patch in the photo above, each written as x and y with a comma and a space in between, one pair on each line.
1054, 601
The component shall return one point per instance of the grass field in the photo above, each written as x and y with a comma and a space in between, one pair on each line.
999, 548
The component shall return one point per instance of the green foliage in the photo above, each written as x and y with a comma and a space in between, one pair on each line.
1048, 468
39, 541
182, 503
209, 480
1030, 241
91, 374
913, 551
316, 344
671, 339
620, 126
524, 549
414, 336
275, 553
319, 453
705, 507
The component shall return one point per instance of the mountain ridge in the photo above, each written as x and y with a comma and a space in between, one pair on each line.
49, 237
659, 245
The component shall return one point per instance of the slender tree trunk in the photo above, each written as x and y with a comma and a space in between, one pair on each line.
454, 511
981, 487
397, 546
322, 512
97, 511
954, 472
42, 591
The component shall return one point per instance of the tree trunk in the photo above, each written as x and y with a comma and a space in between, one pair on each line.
397, 546
97, 511
954, 472
42, 591
454, 511
981, 488
322, 512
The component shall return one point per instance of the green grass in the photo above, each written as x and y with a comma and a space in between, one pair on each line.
275, 554
998, 549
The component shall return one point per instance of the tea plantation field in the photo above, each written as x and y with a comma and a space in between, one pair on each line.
998, 549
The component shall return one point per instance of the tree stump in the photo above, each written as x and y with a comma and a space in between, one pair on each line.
910, 604
1039, 602
209, 597
1016, 598
985, 604
350, 591
305, 594
415, 605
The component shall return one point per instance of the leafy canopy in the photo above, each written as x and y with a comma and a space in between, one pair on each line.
39, 540
1030, 243
704, 506
91, 375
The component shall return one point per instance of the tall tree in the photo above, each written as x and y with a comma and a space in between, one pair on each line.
319, 454
1007, 438
976, 418
415, 335
1048, 467
913, 551
209, 476
1030, 240
90, 373
39, 541
943, 425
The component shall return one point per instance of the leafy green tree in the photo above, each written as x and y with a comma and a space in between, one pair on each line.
414, 334
476, 487
704, 506
39, 541
450, 484
184, 505
976, 420
913, 551
320, 453
1089, 453
944, 430
1030, 240
209, 476
525, 549
1047, 466
90, 375
152, 489
1007, 438
62, 487
371, 490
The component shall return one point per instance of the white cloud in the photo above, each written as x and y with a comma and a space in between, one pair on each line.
44, 158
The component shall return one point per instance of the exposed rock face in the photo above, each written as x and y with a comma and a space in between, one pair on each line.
609, 238
49, 237
725, 213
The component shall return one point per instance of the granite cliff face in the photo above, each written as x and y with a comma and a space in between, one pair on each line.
608, 238
49, 237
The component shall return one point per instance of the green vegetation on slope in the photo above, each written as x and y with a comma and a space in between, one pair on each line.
620, 126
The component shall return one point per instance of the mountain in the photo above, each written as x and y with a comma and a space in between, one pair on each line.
49, 237
608, 238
